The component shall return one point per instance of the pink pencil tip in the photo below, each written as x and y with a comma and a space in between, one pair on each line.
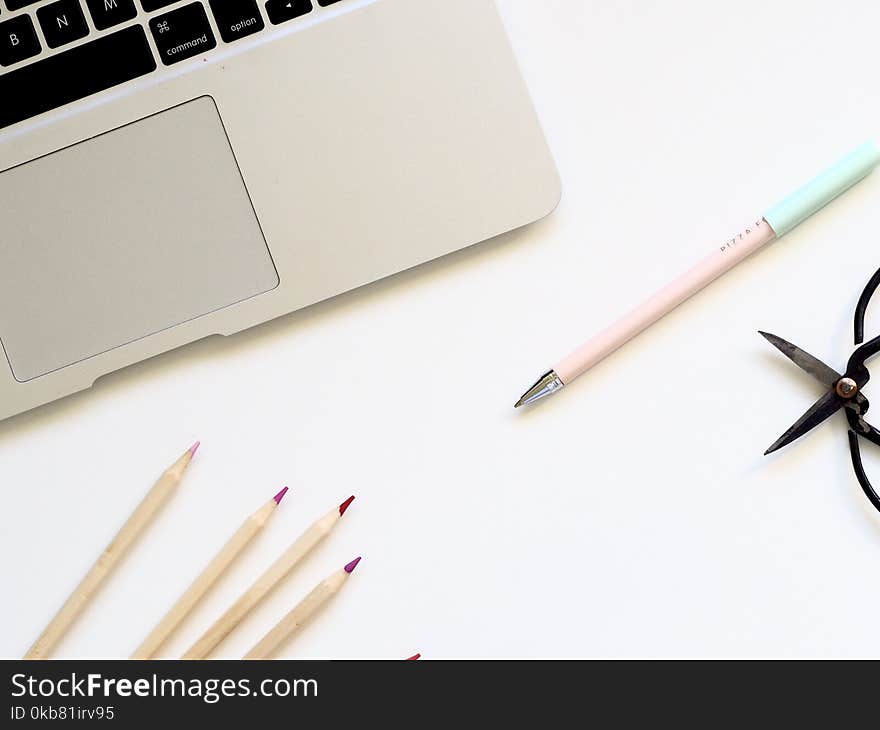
352, 565
414, 657
345, 505
194, 448
278, 497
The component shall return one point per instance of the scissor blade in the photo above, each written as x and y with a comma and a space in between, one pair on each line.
822, 409
804, 360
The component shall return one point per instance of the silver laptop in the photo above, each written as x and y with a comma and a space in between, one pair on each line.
174, 170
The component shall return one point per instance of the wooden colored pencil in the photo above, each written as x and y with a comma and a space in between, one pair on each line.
139, 520
284, 630
221, 628
208, 577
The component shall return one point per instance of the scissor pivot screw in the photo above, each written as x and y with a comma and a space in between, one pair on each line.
846, 387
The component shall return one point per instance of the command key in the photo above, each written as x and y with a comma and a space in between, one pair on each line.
182, 33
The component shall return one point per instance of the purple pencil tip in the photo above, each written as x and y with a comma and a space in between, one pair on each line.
194, 448
352, 565
278, 497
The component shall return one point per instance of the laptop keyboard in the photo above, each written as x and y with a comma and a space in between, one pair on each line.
33, 80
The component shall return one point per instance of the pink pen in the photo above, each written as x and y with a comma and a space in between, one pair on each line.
778, 221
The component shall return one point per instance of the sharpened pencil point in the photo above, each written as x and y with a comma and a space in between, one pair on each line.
352, 565
414, 657
345, 505
194, 448
278, 497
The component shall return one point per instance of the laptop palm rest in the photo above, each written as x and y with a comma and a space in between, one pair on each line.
122, 236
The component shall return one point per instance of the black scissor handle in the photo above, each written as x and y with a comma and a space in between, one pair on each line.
862, 306
855, 368
858, 468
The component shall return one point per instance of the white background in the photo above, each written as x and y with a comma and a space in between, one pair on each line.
632, 515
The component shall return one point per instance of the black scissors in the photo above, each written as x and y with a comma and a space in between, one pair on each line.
844, 391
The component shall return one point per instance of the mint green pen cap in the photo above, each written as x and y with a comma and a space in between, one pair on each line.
816, 194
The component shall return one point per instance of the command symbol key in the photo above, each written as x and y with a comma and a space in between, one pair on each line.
182, 33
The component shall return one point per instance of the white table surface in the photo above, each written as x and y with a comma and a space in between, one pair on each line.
632, 515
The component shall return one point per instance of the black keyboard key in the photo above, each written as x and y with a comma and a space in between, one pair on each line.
325, 3
280, 11
107, 13
62, 22
18, 4
182, 33
236, 18
150, 5
70, 75
18, 41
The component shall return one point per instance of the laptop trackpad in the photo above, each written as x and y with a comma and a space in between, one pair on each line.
122, 236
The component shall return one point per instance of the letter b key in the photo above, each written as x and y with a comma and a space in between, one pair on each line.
18, 40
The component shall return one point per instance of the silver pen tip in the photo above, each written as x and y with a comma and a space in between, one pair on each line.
546, 385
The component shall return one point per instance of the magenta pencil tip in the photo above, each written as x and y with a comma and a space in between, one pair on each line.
345, 505
352, 565
414, 657
278, 497
194, 448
